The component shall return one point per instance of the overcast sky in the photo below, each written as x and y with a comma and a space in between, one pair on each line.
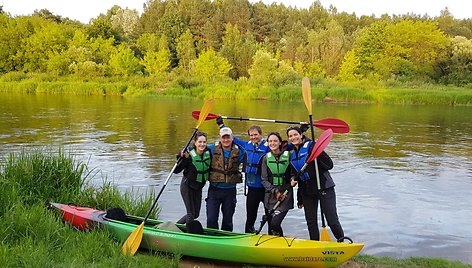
84, 10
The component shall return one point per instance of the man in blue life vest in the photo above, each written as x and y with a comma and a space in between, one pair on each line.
224, 175
255, 148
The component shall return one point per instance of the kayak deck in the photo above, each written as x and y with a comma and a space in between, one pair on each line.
217, 244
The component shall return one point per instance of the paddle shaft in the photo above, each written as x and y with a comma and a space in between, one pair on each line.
168, 177
317, 172
260, 120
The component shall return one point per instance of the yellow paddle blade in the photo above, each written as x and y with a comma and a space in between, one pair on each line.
131, 244
207, 106
324, 235
306, 90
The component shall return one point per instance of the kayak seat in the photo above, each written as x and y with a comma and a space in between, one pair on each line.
168, 226
116, 214
194, 227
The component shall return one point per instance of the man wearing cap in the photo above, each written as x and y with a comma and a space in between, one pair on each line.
224, 175
255, 148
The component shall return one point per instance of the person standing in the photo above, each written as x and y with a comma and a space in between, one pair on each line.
196, 171
308, 193
255, 149
276, 178
224, 175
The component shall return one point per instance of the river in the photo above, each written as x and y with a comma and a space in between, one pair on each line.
403, 174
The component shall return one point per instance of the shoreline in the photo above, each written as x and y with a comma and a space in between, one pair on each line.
323, 91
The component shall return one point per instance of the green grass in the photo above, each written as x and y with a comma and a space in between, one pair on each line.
244, 89
31, 235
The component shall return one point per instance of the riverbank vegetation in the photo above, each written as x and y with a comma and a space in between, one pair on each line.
33, 236
323, 90
238, 50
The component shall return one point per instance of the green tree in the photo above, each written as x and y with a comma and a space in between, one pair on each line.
232, 45
404, 50
48, 39
125, 21
147, 42
210, 66
238, 49
102, 27
293, 40
457, 69
123, 62
156, 63
263, 68
186, 50
331, 47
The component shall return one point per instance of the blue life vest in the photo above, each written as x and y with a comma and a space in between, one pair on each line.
254, 155
298, 159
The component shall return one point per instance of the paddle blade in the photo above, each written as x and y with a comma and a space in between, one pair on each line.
207, 106
337, 125
131, 244
324, 235
320, 144
210, 116
306, 91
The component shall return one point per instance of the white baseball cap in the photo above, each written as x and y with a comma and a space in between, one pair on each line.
225, 131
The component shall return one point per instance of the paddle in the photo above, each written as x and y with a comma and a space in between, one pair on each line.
323, 141
337, 125
306, 91
131, 244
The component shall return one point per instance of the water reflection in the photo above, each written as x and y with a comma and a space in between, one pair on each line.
403, 174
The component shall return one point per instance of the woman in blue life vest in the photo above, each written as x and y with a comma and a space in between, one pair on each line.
276, 178
308, 194
196, 168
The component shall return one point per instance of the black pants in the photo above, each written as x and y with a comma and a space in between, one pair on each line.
192, 200
255, 196
275, 222
224, 199
327, 200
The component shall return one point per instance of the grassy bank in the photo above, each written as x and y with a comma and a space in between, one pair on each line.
243, 89
33, 236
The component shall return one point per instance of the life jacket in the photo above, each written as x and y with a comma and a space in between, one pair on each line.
202, 164
278, 167
254, 155
225, 171
298, 159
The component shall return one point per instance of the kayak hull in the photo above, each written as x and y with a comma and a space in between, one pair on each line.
218, 245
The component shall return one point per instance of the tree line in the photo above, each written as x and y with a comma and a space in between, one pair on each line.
234, 39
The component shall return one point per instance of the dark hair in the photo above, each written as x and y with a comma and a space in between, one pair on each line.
294, 128
198, 135
277, 134
258, 128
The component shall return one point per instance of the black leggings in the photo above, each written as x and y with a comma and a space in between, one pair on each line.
328, 203
193, 201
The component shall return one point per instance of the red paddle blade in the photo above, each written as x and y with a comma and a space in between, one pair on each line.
320, 144
337, 125
210, 116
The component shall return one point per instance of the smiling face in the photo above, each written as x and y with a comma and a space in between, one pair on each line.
294, 137
274, 143
226, 141
255, 136
200, 144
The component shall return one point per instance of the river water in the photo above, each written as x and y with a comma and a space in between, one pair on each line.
403, 174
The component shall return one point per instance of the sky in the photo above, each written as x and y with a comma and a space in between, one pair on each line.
84, 10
